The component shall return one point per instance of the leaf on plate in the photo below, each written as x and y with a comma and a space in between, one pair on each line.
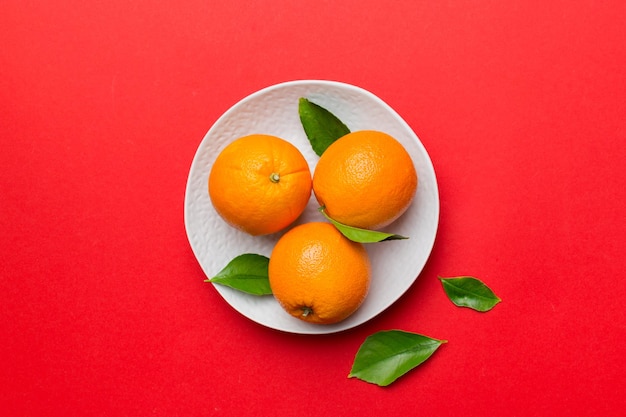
469, 292
387, 355
321, 126
361, 235
247, 273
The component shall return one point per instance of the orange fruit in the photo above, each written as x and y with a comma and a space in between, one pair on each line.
365, 179
317, 274
260, 184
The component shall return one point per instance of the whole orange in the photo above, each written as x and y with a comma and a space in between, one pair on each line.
260, 184
365, 179
317, 274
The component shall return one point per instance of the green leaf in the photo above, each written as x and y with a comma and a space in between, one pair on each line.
361, 235
321, 126
469, 292
387, 355
247, 273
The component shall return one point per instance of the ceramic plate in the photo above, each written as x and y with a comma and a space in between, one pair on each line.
274, 110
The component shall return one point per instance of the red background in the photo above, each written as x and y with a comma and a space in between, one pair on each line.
521, 105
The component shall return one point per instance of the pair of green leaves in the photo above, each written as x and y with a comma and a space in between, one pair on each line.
249, 273
386, 356
322, 128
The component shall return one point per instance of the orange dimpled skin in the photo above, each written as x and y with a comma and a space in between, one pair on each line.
365, 179
318, 275
260, 184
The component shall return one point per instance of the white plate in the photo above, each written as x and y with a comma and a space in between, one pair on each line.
274, 110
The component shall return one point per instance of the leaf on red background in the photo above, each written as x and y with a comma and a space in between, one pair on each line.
387, 355
469, 292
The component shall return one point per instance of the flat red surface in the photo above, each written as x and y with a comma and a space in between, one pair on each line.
521, 105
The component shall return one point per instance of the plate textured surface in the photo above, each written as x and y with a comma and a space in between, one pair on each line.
274, 111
